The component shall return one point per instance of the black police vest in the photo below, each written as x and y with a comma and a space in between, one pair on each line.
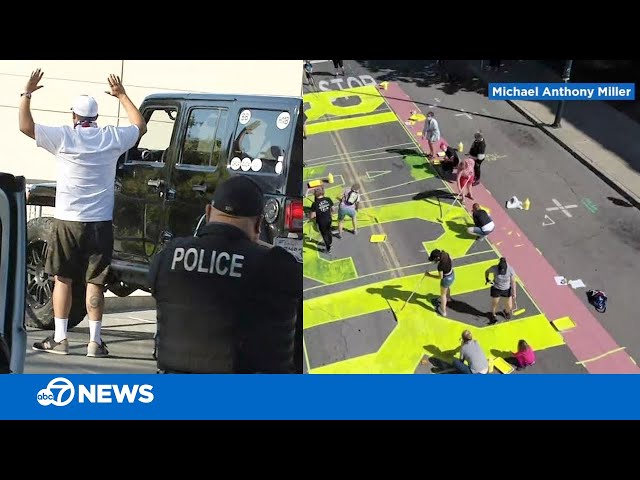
225, 304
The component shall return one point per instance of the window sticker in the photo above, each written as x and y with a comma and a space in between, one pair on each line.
245, 116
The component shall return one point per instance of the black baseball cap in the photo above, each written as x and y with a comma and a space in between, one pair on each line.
239, 196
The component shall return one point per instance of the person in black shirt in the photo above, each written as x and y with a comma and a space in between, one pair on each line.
450, 160
447, 277
483, 223
477, 151
321, 211
227, 302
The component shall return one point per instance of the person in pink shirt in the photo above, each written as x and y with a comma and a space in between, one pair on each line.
465, 176
525, 356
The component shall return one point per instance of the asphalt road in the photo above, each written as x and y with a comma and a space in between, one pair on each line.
128, 333
597, 242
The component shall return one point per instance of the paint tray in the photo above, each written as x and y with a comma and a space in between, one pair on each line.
315, 183
441, 154
501, 365
377, 238
564, 323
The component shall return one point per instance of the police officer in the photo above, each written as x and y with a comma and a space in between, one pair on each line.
227, 303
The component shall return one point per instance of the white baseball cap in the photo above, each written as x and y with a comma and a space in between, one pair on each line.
85, 106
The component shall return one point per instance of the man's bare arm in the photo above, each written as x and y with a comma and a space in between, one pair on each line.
25, 120
135, 117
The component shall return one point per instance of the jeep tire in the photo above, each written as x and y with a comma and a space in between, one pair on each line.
39, 299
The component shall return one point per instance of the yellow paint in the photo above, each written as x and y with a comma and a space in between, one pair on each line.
417, 117
486, 209
315, 183
365, 113
377, 238
563, 324
384, 85
323, 103
615, 350
418, 325
346, 123
502, 365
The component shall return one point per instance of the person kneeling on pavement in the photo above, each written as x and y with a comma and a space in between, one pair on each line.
471, 352
483, 223
450, 161
227, 302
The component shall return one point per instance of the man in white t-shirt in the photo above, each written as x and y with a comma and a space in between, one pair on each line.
81, 244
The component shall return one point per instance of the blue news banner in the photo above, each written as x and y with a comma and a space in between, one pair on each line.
562, 91
311, 397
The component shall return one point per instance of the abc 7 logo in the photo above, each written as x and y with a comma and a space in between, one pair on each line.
64, 389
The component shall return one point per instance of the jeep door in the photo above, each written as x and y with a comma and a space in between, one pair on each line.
13, 263
141, 186
200, 164
267, 146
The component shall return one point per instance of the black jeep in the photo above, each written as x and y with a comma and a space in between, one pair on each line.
13, 337
193, 142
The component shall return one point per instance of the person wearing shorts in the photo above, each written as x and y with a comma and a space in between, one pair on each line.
81, 244
348, 207
338, 65
465, 177
503, 288
447, 277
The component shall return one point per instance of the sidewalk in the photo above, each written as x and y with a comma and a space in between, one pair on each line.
597, 134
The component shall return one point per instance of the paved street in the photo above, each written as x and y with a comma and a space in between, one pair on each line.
578, 227
128, 332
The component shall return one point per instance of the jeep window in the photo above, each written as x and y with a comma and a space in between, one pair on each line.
203, 141
156, 141
261, 138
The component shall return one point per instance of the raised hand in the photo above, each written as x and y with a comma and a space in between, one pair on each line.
32, 83
115, 84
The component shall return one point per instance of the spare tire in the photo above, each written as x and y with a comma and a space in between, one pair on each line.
39, 295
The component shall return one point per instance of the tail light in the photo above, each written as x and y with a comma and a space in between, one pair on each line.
293, 215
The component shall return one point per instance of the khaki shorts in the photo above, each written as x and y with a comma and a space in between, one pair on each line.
80, 250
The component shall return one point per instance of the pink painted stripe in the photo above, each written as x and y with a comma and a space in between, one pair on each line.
588, 339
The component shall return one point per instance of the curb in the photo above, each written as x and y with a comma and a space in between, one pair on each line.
138, 300
613, 183
618, 187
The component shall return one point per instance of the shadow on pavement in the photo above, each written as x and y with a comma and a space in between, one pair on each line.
464, 307
393, 292
619, 202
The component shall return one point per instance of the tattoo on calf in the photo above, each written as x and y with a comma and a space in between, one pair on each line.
96, 301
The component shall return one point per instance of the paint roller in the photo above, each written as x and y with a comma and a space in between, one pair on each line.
517, 311
319, 182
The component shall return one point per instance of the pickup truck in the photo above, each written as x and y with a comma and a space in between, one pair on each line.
163, 183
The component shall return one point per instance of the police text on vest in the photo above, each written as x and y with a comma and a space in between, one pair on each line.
222, 263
